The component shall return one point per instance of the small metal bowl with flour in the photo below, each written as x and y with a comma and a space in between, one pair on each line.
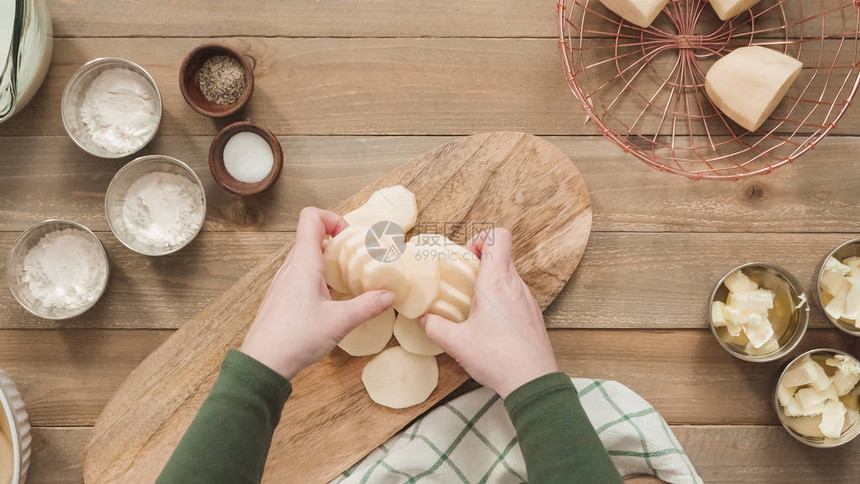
57, 269
111, 107
155, 205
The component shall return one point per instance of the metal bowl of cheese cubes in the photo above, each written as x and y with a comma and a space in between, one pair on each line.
839, 287
758, 312
817, 398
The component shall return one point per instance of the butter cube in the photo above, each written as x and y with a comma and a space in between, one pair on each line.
760, 300
734, 319
739, 339
810, 397
728, 9
832, 419
836, 307
844, 382
769, 347
852, 300
851, 402
785, 394
748, 83
833, 276
805, 372
759, 330
845, 363
739, 282
638, 12
717, 316
853, 263
807, 426
795, 409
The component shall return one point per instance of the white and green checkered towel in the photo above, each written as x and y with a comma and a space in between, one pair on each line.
471, 440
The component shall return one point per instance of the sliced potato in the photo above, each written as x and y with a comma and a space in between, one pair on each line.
457, 299
447, 311
332, 270
371, 336
422, 273
413, 338
397, 378
394, 203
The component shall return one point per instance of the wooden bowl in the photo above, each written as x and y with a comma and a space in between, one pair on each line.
188, 80
219, 170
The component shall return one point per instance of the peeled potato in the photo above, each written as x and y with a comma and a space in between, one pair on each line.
332, 270
728, 9
7, 458
457, 265
397, 378
422, 273
413, 338
371, 336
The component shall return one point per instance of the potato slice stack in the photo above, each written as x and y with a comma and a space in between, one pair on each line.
429, 273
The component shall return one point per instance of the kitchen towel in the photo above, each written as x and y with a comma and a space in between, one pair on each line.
471, 440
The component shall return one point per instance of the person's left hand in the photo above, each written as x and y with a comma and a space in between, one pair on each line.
298, 323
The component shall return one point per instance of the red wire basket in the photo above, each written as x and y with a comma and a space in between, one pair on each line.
644, 88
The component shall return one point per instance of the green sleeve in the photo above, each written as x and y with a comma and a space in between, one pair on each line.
229, 439
558, 442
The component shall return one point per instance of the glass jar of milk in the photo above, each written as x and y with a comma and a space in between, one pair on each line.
26, 41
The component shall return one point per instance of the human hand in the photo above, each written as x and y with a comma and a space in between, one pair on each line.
298, 323
503, 344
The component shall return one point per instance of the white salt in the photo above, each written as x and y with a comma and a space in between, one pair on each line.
248, 157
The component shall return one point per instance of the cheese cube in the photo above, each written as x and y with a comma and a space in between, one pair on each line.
638, 12
836, 307
760, 300
769, 347
739, 282
728, 9
748, 83
785, 394
810, 397
832, 419
717, 317
805, 372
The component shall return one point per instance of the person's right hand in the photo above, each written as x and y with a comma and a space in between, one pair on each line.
503, 344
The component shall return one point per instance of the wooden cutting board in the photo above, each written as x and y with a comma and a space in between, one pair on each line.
512, 180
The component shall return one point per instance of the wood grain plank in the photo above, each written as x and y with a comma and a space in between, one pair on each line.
764, 454
345, 18
67, 376
45, 177
719, 453
305, 18
625, 280
57, 455
367, 86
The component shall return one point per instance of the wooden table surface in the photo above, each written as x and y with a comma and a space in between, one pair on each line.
355, 88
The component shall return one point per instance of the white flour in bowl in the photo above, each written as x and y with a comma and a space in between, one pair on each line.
119, 110
65, 270
163, 210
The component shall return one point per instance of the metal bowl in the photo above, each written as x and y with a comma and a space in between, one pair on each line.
778, 280
15, 269
73, 97
118, 188
15, 424
820, 442
847, 249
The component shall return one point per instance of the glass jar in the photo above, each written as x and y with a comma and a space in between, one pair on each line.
26, 44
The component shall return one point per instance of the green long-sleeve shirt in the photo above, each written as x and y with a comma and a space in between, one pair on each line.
557, 440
